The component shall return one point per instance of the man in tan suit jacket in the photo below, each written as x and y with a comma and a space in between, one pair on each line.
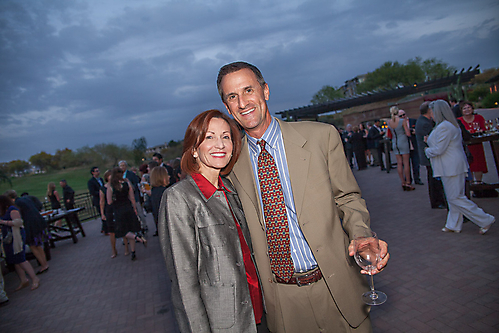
328, 209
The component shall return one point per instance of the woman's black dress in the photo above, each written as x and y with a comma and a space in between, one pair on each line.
124, 215
54, 203
108, 211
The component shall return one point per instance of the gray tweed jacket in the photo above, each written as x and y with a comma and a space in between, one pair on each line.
200, 243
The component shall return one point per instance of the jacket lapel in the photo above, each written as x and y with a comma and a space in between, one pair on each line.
243, 173
298, 160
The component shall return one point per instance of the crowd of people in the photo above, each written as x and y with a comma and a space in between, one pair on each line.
120, 199
434, 140
255, 225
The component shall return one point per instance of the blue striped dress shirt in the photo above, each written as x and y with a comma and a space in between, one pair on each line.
302, 256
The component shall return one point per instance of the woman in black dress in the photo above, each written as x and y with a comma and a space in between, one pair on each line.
106, 212
120, 196
53, 196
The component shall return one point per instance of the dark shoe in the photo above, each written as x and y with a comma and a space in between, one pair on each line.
133, 255
408, 187
4, 303
419, 182
383, 169
41, 271
155, 234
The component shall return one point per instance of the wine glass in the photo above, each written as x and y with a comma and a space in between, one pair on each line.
476, 127
367, 256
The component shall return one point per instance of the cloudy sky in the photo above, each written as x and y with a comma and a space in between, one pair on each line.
77, 73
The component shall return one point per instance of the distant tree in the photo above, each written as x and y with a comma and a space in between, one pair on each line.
479, 92
392, 74
491, 100
434, 68
174, 143
4, 167
326, 94
173, 151
139, 147
89, 156
42, 160
19, 167
4, 178
112, 153
65, 158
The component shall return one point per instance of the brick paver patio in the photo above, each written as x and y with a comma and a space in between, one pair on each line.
435, 281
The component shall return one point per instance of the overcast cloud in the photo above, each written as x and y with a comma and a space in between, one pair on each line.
77, 73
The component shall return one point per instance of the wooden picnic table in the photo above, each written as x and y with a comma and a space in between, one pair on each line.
73, 225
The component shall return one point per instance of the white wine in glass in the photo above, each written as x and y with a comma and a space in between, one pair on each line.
367, 256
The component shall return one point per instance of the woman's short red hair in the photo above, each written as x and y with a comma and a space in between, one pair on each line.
195, 134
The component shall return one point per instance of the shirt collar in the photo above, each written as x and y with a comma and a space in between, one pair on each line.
207, 188
270, 136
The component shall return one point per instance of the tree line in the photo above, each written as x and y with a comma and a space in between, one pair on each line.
393, 74
104, 154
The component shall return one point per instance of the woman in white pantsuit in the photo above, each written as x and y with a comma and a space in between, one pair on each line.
448, 161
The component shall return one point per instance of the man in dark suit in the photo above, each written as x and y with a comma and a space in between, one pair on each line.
68, 195
424, 126
456, 108
323, 291
375, 135
347, 143
94, 184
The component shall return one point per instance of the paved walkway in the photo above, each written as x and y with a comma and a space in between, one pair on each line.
435, 281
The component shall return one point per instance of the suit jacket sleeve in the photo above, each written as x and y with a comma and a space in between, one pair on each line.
178, 243
441, 138
352, 207
93, 187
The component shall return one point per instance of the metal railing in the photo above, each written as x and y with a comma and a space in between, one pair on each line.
81, 200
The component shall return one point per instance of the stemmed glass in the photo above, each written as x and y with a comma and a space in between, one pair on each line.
367, 256
476, 127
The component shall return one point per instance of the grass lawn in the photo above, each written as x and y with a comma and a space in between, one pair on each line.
36, 185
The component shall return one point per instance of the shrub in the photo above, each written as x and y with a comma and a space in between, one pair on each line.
491, 100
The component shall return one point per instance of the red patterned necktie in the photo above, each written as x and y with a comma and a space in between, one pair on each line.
276, 219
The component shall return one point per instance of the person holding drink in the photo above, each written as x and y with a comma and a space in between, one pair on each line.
474, 123
303, 208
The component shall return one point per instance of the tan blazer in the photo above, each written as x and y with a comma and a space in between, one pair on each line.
329, 209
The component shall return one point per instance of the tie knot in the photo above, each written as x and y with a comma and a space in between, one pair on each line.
262, 143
